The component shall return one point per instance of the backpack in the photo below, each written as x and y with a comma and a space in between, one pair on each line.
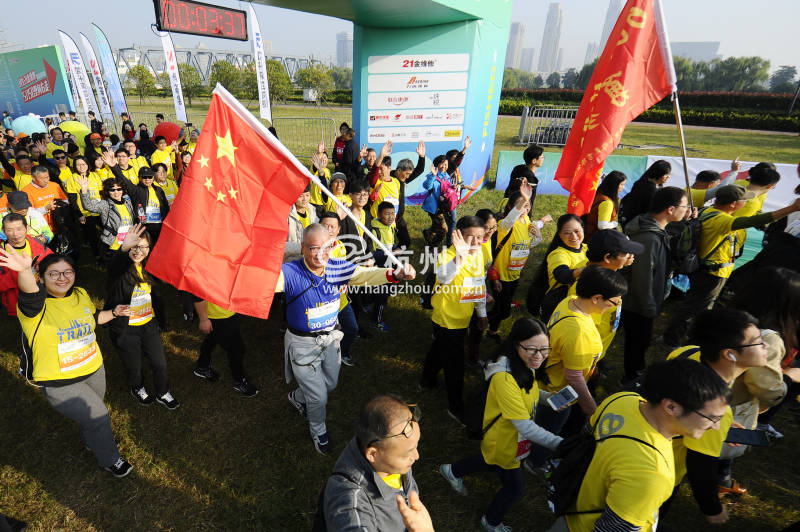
574, 455
473, 413
448, 196
684, 238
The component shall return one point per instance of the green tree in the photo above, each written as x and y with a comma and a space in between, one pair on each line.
585, 75
538, 81
226, 75
554, 81
316, 77
510, 78
783, 80
748, 74
569, 79
190, 81
142, 81
342, 77
248, 82
525, 79
280, 84
162, 81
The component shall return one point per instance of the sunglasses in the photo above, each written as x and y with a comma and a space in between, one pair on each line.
60, 157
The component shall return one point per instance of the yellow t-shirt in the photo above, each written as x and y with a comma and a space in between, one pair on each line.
153, 207
24, 250
340, 252
714, 229
131, 173
575, 344
141, 303
95, 186
486, 252
563, 256
605, 211
389, 191
631, 478
64, 174
21, 180
305, 219
170, 188
394, 481
126, 221
136, 164
385, 233
52, 146
330, 206
165, 157
607, 322
104, 173
751, 208
512, 258
316, 192
64, 347
505, 397
215, 312
710, 443
453, 303
698, 197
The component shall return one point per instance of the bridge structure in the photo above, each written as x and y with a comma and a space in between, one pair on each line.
152, 57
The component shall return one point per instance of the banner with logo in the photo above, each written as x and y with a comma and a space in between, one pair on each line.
99, 85
171, 66
34, 81
73, 87
110, 71
78, 69
261, 69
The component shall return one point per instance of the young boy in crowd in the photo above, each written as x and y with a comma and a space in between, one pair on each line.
386, 232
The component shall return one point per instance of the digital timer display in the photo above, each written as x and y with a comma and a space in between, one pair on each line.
198, 18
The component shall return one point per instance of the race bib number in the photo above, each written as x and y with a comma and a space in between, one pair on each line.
153, 215
76, 352
141, 307
122, 233
517, 258
523, 448
473, 290
615, 318
170, 198
323, 316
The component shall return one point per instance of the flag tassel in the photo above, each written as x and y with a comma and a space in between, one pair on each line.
679, 123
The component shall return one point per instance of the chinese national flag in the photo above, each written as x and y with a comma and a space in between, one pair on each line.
634, 72
224, 237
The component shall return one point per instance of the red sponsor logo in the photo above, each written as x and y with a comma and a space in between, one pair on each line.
397, 100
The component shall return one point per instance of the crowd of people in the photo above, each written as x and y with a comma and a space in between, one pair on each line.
539, 403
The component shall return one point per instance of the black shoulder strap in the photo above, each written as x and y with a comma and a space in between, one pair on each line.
502, 243
600, 416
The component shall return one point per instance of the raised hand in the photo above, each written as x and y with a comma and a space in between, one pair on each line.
83, 182
546, 219
461, 245
42, 146
526, 189
109, 158
18, 262
467, 143
405, 273
736, 166
363, 152
133, 236
386, 149
421, 149
321, 147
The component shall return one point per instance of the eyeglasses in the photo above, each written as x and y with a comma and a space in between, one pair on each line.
140, 248
408, 428
615, 302
761, 342
317, 249
682, 206
713, 419
533, 350
55, 275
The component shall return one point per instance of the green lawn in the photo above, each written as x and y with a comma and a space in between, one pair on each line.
223, 462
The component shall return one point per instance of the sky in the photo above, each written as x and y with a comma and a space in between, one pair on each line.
766, 28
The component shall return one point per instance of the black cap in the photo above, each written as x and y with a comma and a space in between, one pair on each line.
612, 241
18, 200
145, 172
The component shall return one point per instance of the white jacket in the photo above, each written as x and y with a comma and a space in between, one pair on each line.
292, 250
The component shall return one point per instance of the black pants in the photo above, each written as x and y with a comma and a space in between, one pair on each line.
227, 335
91, 234
638, 332
155, 231
133, 342
703, 292
403, 238
502, 304
507, 496
447, 353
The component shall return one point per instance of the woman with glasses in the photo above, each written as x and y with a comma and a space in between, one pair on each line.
116, 212
138, 333
63, 359
508, 419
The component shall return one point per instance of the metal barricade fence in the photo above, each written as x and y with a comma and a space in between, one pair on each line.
302, 135
546, 126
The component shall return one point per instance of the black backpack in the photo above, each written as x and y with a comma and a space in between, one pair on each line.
473, 413
574, 455
684, 238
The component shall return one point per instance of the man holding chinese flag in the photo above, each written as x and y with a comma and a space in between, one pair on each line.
634, 72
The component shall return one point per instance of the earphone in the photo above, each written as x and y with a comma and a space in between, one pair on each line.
732, 357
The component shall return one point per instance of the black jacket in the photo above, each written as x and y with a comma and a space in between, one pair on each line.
119, 291
140, 194
637, 201
648, 275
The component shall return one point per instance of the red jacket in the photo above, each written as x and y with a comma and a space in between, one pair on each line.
9, 290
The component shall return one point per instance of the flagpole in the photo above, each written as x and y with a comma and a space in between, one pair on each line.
262, 130
679, 123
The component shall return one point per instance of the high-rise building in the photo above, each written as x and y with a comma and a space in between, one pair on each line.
591, 53
344, 49
548, 56
560, 59
514, 50
526, 63
614, 9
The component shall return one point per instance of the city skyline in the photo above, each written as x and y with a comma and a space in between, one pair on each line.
516, 35
549, 50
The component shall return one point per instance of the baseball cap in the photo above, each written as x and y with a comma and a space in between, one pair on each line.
729, 193
18, 200
145, 172
611, 241
95, 136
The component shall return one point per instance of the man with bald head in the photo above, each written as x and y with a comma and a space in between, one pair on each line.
311, 344
374, 469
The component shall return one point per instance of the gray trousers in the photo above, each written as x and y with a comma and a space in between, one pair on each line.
82, 402
314, 363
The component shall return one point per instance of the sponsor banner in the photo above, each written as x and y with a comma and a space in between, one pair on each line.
99, 85
416, 117
391, 64
110, 71
171, 64
261, 68
78, 69
380, 135
417, 82
413, 100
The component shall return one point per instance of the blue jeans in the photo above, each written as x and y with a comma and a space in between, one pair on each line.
349, 324
548, 419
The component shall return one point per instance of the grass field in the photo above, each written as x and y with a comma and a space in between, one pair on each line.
222, 462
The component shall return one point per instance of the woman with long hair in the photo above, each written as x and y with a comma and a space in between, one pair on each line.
605, 207
637, 201
508, 419
138, 333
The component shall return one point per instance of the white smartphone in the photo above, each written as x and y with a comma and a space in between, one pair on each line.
565, 396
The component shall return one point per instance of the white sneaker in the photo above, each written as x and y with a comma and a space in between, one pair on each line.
168, 401
489, 528
456, 483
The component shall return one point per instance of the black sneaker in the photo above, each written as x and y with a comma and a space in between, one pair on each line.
323, 444
347, 360
120, 468
301, 407
141, 395
207, 373
245, 388
167, 400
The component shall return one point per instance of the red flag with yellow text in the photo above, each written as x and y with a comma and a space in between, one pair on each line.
224, 237
634, 72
